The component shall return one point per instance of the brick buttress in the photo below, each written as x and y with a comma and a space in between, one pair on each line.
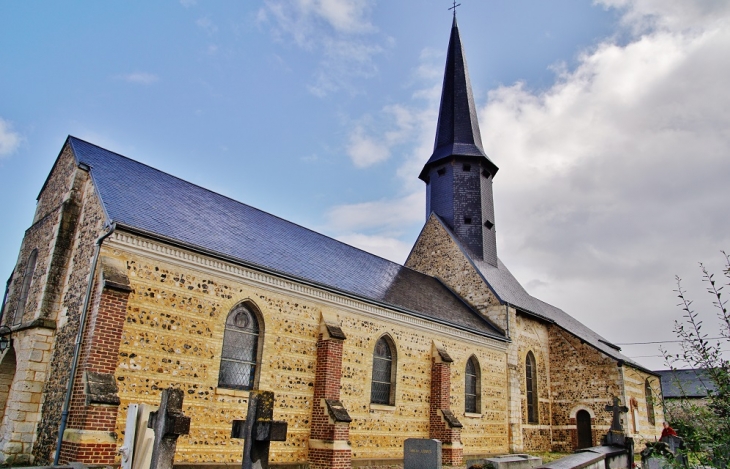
330, 431
444, 425
90, 437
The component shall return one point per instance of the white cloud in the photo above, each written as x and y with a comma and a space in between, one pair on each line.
365, 151
9, 139
674, 15
384, 246
207, 25
382, 215
141, 78
340, 31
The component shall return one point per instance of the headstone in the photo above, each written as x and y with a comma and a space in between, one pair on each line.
258, 430
144, 438
421, 454
616, 435
130, 431
169, 423
675, 444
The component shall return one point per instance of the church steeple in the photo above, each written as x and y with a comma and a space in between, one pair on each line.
459, 174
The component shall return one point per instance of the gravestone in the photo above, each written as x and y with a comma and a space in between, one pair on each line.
616, 435
258, 430
675, 444
421, 453
169, 423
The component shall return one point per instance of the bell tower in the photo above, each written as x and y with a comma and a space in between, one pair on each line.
459, 175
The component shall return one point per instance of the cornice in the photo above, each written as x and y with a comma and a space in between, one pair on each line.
154, 249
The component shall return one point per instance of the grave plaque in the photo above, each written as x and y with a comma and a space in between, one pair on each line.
421, 454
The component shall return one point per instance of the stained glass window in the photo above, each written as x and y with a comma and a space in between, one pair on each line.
531, 385
471, 390
382, 387
240, 349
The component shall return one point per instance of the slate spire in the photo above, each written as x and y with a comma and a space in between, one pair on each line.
458, 175
457, 132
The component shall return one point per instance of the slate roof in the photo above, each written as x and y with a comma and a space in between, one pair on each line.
140, 198
457, 132
508, 290
685, 383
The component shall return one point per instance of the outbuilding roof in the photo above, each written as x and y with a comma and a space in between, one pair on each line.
691, 383
143, 199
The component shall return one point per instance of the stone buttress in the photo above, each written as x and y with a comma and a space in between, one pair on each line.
329, 445
90, 436
443, 424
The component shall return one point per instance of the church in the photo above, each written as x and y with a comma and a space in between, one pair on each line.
130, 281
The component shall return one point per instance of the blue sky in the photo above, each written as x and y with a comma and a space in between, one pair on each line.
608, 120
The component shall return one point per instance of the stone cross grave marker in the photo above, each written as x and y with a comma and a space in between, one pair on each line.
419, 453
258, 430
617, 409
169, 423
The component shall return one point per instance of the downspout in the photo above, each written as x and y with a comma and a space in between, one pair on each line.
506, 311
79, 338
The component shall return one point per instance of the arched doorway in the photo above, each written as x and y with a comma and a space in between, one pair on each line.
7, 375
585, 433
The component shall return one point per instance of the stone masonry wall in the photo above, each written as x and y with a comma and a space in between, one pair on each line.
581, 378
435, 253
173, 337
51, 234
75, 280
530, 335
634, 388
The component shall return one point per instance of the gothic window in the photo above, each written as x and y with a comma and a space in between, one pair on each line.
27, 279
472, 388
531, 388
382, 390
649, 402
241, 351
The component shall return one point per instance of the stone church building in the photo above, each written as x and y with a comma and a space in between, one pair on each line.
130, 281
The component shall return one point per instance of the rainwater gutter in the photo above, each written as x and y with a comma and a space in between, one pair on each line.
79, 339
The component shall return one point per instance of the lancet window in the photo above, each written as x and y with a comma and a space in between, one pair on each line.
384, 372
472, 388
240, 357
531, 388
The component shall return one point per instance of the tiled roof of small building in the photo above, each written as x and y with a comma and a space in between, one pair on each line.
509, 290
139, 197
685, 383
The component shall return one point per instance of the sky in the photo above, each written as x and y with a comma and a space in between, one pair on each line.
609, 121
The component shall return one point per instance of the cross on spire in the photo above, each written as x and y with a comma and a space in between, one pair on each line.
454, 7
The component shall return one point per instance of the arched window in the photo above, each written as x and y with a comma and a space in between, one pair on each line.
382, 390
531, 388
472, 388
27, 279
649, 402
240, 355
